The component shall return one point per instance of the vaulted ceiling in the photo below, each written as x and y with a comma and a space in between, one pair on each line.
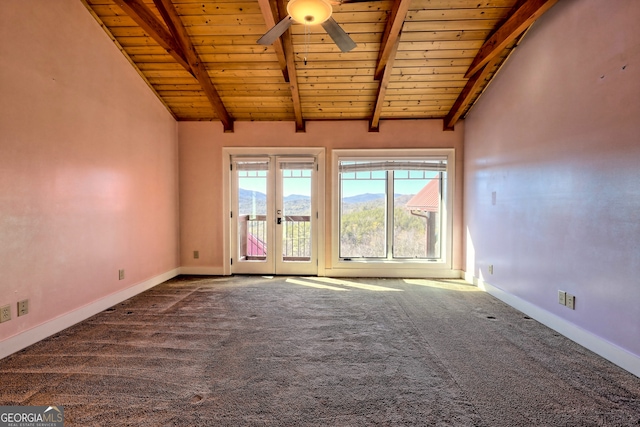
414, 59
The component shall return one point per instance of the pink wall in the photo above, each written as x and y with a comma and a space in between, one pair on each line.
556, 136
201, 172
88, 173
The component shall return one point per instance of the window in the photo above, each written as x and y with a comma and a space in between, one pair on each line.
391, 208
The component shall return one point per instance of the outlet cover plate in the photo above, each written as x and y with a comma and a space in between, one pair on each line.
571, 302
23, 307
562, 298
120, 274
5, 313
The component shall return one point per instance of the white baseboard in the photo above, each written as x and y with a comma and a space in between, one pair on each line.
598, 345
40, 332
202, 271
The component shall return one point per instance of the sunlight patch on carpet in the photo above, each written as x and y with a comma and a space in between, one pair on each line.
352, 284
314, 285
450, 286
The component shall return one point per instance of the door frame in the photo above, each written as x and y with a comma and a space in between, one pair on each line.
228, 152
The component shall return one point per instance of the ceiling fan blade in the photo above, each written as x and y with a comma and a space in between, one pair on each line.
338, 35
276, 31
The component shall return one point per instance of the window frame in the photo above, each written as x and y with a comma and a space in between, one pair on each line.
389, 267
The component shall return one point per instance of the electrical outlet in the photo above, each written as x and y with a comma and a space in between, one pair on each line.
490, 268
196, 254
562, 298
5, 313
121, 274
571, 302
23, 307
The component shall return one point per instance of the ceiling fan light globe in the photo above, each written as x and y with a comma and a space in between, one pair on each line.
309, 12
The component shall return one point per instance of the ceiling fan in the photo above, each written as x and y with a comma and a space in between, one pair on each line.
310, 12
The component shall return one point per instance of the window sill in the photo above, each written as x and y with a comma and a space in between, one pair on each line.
393, 269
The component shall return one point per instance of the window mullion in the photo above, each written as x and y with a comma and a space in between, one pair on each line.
388, 223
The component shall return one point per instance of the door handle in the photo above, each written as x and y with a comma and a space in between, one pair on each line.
279, 221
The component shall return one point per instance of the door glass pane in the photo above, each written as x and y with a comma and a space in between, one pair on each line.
252, 210
416, 214
296, 211
362, 211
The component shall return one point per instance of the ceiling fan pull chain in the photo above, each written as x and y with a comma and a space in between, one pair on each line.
307, 38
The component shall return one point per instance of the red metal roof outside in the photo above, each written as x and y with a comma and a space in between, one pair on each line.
427, 199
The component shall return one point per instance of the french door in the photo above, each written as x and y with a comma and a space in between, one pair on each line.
273, 214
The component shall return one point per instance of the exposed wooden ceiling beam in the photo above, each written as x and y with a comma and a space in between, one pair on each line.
126, 55
374, 125
269, 12
386, 56
391, 35
176, 47
173, 21
465, 97
515, 25
145, 18
287, 44
523, 15
293, 81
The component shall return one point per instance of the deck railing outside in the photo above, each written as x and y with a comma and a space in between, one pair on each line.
296, 237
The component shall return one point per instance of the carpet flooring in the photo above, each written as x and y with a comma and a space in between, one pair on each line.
311, 351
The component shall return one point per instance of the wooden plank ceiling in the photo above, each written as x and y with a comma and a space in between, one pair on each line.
415, 59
